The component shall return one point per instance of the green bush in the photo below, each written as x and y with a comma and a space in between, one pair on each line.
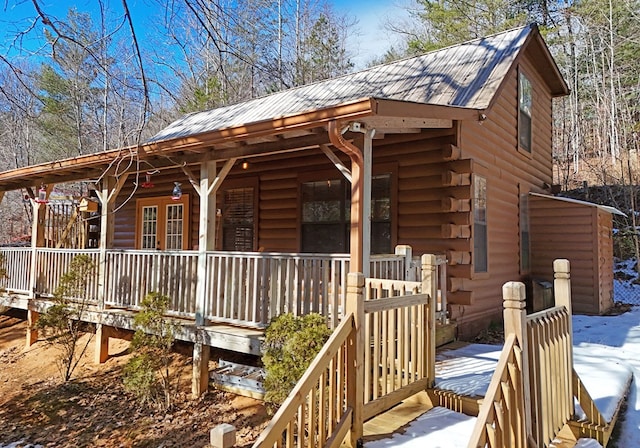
147, 374
290, 345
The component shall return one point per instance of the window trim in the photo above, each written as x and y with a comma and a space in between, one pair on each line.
479, 274
521, 149
162, 202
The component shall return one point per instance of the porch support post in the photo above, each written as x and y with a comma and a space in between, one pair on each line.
107, 197
366, 201
515, 322
32, 332
37, 240
355, 367
357, 195
209, 185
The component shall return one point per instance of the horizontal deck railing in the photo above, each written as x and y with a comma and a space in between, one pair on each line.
252, 288
52, 264
132, 274
15, 265
245, 288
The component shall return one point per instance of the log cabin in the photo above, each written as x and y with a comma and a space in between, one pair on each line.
245, 211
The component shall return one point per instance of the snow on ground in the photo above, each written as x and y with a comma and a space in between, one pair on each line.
606, 354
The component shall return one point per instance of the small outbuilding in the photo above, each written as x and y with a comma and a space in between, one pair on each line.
582, 233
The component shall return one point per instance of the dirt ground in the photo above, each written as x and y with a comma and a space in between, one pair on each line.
93, 409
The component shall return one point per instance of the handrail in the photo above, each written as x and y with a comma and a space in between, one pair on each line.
317, 412
501, 418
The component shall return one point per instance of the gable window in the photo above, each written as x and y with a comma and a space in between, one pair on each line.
326, 215
162, 223
525, 105
238, 222
480, 246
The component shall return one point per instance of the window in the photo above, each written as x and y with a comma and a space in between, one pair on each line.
326, 214
238, 212
525, 252
525, 103
162, 223
480, 248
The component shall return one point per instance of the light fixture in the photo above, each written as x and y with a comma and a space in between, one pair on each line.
147, 183
42, 195
245, 164
176, 194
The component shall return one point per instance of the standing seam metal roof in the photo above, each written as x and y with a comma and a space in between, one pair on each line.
466, 75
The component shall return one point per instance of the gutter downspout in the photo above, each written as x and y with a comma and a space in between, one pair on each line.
357, 193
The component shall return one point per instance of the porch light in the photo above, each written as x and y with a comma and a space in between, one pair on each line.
245, 164
42, 195
147, 183
176, 194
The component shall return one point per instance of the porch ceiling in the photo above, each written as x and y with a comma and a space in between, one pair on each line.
279, 135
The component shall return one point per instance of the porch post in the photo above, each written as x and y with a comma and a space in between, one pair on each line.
107, 197
366, 201
37, 240
355, 368
206, 242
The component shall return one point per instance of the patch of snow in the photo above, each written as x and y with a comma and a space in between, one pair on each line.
444, 429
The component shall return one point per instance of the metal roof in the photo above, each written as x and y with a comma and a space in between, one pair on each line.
466, 75
606, 208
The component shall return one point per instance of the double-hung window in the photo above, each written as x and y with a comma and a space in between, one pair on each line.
525, 105
480, 246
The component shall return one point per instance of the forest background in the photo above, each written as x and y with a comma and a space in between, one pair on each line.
75, 81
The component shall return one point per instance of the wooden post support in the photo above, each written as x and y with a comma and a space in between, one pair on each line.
515, 322
430, 286
407, 252
37, 240
101, 353
355, 373
200, 379
32, 331
367, 148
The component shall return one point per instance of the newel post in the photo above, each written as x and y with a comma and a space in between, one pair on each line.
430, 286
355, 355
562, 292
515, 322
407, 253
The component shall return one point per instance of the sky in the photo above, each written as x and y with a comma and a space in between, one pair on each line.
369, 40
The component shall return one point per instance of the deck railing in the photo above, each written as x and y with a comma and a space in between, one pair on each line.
245, 288
319, 410
393, 357
52, 264
15, 264
534, 387
252, 288
132, 274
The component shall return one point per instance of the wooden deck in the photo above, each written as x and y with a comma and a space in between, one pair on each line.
224, 336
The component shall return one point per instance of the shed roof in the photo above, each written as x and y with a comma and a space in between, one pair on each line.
606, 208
467, 75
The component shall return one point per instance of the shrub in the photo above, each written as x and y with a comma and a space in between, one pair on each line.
290, 345
147, 374
61, 323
